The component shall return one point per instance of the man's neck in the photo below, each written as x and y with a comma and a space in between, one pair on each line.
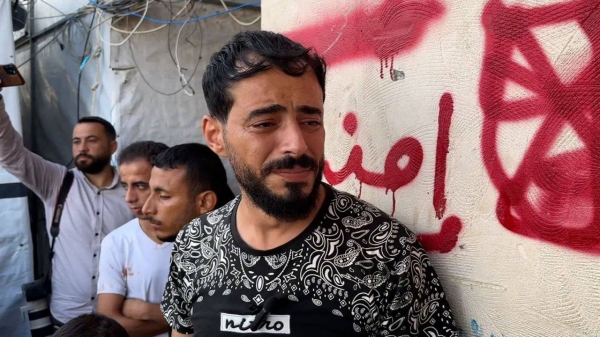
149, 231
102, 179
264, 232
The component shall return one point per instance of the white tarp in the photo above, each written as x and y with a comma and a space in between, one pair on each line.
15, 235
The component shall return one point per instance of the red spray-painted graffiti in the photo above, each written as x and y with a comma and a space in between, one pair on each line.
441, 153
394, 177
393, 27
445, 240
565, 208
384, 31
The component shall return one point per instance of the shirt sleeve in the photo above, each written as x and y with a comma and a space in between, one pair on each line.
179, 292
39, 175
416, 303
111, 278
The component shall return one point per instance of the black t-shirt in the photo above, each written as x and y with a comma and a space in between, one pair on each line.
354, 271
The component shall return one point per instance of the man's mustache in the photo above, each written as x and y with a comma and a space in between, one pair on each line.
82, 155
153, 221
288, 163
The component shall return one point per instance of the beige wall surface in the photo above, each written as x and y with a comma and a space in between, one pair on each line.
477, 124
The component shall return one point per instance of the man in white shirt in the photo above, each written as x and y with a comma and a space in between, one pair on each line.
186, 181
134, 262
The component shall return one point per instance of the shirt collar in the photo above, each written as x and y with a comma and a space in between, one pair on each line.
114, 184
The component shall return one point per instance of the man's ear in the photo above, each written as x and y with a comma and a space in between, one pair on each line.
113, 146
213, 132
206, 202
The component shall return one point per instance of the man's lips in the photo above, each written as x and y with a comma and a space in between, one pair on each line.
155, 223
298, 174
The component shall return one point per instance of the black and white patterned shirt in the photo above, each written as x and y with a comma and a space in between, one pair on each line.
354, 271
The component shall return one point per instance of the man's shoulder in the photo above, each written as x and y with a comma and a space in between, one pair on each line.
197, 228
348, 205
356, 214
126, 231
114, 189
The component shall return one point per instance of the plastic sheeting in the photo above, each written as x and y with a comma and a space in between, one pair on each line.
112, 88
144, 114
15, 238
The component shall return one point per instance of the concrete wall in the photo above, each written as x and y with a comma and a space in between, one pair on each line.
476, 123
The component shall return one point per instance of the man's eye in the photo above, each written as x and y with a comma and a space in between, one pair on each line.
164, 197
263, 125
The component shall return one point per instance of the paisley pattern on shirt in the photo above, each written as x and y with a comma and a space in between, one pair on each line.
357, 260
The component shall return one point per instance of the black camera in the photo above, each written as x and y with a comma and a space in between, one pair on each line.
37, 294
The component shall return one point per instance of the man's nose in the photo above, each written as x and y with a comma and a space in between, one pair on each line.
130, 196
293, 142
149, 207
82, 147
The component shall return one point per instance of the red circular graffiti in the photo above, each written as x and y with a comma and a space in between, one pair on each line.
554, 198
350, 123
383, 31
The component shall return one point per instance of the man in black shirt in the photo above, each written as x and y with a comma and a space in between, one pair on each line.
291, 255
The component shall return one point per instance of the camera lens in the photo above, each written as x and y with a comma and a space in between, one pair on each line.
10, 70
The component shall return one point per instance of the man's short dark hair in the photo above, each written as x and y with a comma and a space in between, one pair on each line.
145, 150
92, 325
204, 170
108, 128
249, 53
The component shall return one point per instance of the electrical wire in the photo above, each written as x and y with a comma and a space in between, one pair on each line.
184, 82
134, 29
123, 9
149, 30
51, 6
41, 49
68, 37
137, 66
192, 75
138, 32
173, 16
94, 5
41, 18
117, 6
208, 16
237, 20
97, 83
83, 57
